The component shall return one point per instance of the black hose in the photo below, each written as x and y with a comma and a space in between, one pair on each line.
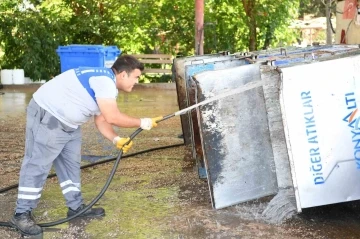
103, 190
112, 173
3, 190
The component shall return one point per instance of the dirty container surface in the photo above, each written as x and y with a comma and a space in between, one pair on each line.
74, 56
179, 73
305, 55
235, 137
191, 70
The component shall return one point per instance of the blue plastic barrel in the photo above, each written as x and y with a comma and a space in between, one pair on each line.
111, 54
73, 56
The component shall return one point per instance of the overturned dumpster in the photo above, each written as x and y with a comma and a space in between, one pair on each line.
261, 142
181, 83
235, 138
320, 118
191, 99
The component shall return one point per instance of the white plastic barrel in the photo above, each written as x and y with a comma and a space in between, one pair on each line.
18, 77
6, 77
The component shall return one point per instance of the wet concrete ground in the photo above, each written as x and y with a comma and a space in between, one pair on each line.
153, 195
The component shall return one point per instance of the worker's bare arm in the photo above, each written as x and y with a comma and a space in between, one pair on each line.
113, 116
104, 127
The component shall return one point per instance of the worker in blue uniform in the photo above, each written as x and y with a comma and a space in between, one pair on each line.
53, 132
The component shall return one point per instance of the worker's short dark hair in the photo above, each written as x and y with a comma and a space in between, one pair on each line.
127, 63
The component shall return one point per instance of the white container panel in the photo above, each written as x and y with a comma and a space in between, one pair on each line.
322, 126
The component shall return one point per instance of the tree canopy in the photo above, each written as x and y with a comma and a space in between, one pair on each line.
32, 30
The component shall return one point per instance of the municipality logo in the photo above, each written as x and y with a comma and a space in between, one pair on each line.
353, 116
353, 119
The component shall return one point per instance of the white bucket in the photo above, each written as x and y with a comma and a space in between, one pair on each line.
18, 77
7, 77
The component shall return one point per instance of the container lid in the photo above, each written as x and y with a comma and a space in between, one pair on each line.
81, 48
114, 49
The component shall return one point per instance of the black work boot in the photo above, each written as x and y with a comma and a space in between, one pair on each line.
92, 212
25, 223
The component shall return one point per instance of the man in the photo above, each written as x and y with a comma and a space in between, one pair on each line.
53, 135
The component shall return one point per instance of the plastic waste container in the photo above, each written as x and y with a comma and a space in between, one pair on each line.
73, 56
111, 54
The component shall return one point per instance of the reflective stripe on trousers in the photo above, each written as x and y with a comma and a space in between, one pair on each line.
48, 142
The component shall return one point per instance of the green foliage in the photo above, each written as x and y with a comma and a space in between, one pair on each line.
224, 27
30, 33
315, 7
29, 40
228, 24
273, 21
90, 22
178, 24
155, 78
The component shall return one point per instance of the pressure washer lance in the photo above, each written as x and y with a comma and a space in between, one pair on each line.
246, 87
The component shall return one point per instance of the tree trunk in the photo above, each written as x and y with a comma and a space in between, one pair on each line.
268, 37
252, 37
250, 10
328, 19
199, 27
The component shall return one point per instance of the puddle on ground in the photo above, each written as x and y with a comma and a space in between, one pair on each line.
13, 103
140, 102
